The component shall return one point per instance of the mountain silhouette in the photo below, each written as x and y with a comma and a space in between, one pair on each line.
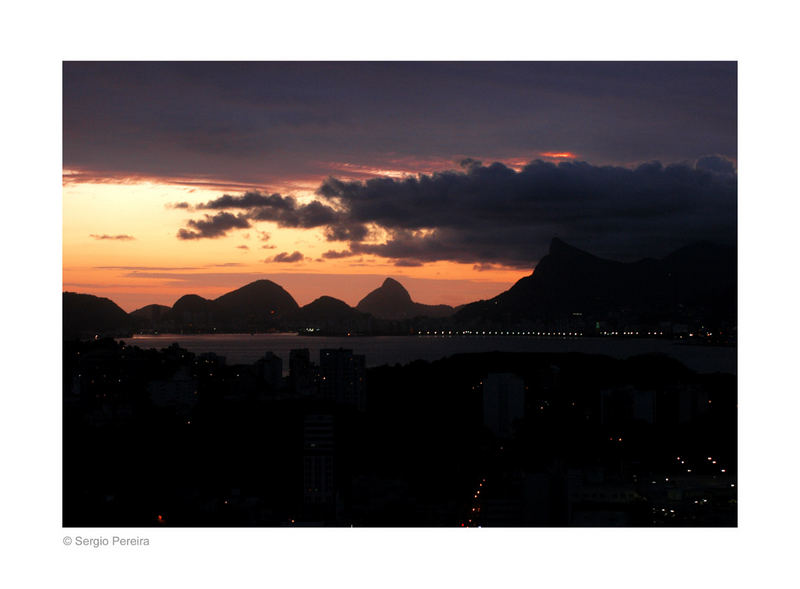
698, 280
326, 307
256, 305
193, 310
330, 315
151, 312
262, 297
392, 301
150, 316
85, 315
696, 283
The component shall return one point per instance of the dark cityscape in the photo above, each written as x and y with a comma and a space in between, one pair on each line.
495, 439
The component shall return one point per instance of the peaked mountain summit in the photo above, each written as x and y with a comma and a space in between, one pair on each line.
392, 301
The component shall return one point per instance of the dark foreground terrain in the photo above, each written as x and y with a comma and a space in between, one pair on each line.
500, 439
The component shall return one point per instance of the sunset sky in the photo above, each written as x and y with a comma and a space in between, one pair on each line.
328, 177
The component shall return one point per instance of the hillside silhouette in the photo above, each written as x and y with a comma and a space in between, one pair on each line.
696, 281
84, 315
570, 290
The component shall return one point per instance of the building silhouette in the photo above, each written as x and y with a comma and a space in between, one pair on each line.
319, 469
503, 402
343, 377
270, 368
302, 373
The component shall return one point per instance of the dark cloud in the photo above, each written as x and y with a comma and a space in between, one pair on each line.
287, 257
408, 263
306, 216
494, 214
313, 214
334, 255
243, 247
213, 227
178, 205
715, 163
257, 121
251, 200
286, 212
484, 267
113, 237
468, 163
283, 210
346, 231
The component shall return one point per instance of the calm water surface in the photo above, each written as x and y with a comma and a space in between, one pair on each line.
245, 349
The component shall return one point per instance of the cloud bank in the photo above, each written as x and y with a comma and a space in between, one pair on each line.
493, 214
213, 226
286, 257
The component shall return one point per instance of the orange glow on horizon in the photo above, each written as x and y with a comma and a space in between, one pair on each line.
559, 155
78, 177
143, 262
435, 283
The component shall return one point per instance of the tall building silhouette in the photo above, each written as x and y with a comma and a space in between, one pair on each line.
302, 373
343, 377
319, 471
503, 402
271, 370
